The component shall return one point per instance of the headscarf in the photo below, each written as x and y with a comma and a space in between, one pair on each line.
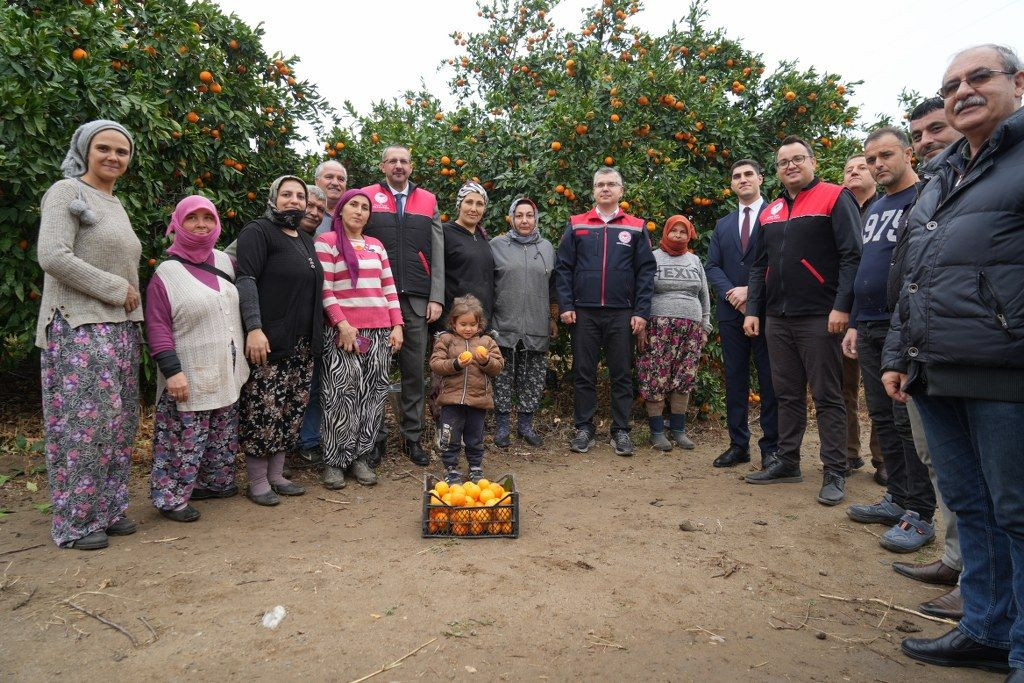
513, 233
673, 221
76, 161
466, 190
194, 248
338, 226
290, 218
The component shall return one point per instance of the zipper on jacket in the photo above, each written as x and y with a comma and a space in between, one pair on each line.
604, 260
465, 377
1000, 312
782, 257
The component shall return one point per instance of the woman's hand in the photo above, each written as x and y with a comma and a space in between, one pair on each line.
396, 338
132, 300
257, 347
177, 387
346, 337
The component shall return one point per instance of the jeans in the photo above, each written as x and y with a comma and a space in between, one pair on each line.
909, 484
462, 424
979, 460
309, 434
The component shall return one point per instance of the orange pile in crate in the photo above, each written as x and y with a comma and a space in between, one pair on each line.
472, 509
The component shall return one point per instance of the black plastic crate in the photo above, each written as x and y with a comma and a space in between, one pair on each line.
444, 521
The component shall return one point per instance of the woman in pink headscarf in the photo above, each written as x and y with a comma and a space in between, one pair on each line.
195, 335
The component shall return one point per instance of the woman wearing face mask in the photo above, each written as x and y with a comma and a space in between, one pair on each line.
363, 323
279, 282
676, 333
523, 323
195, 335
468, 264
89, 339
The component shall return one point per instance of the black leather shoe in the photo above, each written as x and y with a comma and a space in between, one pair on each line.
948, 606
956, 649
415, 452
881, 475
733, 455
933, 572
186, 514
768, 458
778, 472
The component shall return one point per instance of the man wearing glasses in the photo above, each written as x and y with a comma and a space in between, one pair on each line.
802, 281
604, 277
957, 346
405, 219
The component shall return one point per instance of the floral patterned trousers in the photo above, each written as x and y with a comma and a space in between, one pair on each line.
191, 449
90, 377
669, 365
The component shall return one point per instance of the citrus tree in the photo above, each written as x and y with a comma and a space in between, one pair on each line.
210, 111
541, 108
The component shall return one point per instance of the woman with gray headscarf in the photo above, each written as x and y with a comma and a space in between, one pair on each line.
523, 322
89, 339
468, 265
279, 283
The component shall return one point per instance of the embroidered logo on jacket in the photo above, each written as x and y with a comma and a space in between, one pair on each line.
625, 237
381, 198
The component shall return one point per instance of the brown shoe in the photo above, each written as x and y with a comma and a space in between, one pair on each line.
933, 572
948, 606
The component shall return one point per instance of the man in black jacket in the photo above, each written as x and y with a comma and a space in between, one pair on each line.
957, 346
802, 281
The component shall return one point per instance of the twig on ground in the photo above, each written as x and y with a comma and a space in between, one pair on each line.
333, 500
890, 605
788, 626
166, 540
151, 629
758, 666
21, 550
242, 583
535, 510
867, 530
710, 633
603, 642
25, 601
884, 615
392, 665
188, 572
334, 565
104, 620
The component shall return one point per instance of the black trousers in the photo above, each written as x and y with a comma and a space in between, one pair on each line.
462, 425
606, 329
803, 352
909, 484
737, 349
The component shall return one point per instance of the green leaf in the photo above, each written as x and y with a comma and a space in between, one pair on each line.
43, 508
31, 486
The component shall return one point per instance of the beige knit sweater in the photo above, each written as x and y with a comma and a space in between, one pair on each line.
87, 269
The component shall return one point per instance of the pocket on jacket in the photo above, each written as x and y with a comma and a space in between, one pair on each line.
811, 269
994, 303
586, 287
423, 262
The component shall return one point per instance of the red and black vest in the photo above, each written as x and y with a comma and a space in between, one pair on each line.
407, 240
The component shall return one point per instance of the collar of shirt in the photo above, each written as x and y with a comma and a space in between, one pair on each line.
398, 192
755, 211
607, 218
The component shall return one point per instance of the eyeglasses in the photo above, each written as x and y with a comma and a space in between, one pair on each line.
975, 79
796, 161
603, 186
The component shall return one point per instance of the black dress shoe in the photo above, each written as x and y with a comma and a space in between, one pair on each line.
415, 452
778, 472
948, 606
186, 514
957, 649
733, 455
933, 572
881, 475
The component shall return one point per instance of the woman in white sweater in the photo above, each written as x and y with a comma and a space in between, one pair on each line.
675, 335
89, 339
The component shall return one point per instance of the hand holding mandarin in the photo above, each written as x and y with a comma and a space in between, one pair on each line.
481, 352
465, 357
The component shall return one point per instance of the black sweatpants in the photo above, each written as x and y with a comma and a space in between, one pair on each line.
462, 424
909, 484
598, 329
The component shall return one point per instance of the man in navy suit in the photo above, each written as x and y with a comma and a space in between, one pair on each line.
728, 268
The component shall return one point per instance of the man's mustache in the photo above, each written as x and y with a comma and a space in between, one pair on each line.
969, 102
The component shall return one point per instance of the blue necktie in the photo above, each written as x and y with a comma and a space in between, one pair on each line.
400, 203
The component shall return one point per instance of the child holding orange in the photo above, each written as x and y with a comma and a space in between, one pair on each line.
466, 359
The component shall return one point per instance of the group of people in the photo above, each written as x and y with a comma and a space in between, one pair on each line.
286, 337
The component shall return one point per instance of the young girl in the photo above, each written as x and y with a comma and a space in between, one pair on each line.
466, 359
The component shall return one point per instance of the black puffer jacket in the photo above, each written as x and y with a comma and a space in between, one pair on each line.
960, 316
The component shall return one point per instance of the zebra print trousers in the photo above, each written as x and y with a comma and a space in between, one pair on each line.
353, 390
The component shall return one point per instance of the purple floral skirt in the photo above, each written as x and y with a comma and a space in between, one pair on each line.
669, 365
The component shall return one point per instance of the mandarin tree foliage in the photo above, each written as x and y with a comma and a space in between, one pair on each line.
541, 108
211, 112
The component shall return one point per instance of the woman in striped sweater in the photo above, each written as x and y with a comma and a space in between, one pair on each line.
363, 324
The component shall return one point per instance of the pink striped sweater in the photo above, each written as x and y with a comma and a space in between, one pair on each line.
373, 302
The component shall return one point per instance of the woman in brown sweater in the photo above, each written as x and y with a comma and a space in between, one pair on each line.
89, 339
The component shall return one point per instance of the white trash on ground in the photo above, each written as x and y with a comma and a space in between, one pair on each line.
274, 617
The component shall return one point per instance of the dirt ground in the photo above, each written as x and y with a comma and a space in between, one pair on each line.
603, 584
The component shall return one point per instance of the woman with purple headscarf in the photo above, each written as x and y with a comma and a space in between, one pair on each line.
363, 327
195, 335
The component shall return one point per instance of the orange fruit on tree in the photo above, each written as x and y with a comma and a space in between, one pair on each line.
151, 262
438, 116
233, 44
374, 138
79, 54
643, 101
215, 88
559, 189
192, 117
556, 145
250, 196
608, 161
581, 129
624, 205
231, 213
445, 161
615, 118
460, 163
790, 95
206, 76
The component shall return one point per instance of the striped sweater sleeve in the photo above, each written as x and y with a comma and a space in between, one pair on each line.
335, 270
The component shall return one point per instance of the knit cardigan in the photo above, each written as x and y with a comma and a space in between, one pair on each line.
373, 302
87, 268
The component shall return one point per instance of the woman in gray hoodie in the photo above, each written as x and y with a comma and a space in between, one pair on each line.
522, 323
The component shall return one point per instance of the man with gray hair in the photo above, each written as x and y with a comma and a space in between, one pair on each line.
331, 177
957, 346
604, 278
316, 209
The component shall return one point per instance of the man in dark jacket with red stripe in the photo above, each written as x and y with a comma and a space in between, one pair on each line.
604, 277
802, 281
405, 219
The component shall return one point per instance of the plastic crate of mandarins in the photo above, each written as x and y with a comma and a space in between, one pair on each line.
484, 510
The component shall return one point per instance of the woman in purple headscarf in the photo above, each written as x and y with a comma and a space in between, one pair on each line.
195, 335
363, 327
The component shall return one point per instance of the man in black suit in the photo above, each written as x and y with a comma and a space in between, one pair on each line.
728, 267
